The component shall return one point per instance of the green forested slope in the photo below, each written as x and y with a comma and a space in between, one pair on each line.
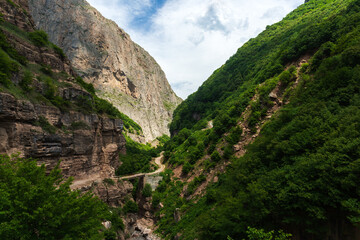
303, 171
302, 31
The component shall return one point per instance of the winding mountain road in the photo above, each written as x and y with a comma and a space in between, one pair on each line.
77, 184
159, 170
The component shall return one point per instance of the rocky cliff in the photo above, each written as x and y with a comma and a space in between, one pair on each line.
43, 110
104, 55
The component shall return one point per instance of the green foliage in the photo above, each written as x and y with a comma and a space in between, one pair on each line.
109, 181
104, 107
286, 77
137, 158
87, 86
155, 200
130, 207
265, 56
194, 184
11, 3
26, 81
187, 168
6, 47
59, 51
215, 156
7, 67
301, 173
46, 69
37, 205
234, 136
260, 234
79, 125
39, 38
163, 139
147, 191
45, 125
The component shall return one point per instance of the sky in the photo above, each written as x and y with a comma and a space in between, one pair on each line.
190, 39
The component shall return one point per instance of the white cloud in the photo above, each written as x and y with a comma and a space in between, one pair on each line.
192, 38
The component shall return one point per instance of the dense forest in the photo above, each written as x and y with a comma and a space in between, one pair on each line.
301, 174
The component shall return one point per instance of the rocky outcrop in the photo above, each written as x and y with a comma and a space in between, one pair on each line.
103, 54
92, 150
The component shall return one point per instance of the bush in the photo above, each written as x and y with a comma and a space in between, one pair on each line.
45, 125
155, 201
130, 207
7, 67
87, 86
228, 152
234, 136
186, 168
39, 38
109, 181
26, 81
46, 69
260, 234
147, 191
59, 51
285, 77
50, 88
215, 156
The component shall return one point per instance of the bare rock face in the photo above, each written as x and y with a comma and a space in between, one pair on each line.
103, 54
83, 152
113, 194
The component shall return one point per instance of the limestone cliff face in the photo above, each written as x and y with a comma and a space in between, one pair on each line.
92, 151
103, 54
88, 145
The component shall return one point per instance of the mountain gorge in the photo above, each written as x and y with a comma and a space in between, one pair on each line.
103, 54
267, 148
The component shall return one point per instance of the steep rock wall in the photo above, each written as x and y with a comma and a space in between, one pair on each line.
89, 150
103, 54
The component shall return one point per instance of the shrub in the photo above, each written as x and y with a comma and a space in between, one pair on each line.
186, 168
234, 135
130, 207
211, 148
4, 80
26, 81
59, 51
147, 191
39, 38
109, 181
7, 67
46, 69
215, 156
45, 125
155, 201
285, 77
87, 86
228, 151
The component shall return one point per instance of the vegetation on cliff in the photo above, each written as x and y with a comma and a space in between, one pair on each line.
302, 172
41, 84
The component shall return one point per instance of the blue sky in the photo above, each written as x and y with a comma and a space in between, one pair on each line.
190, 39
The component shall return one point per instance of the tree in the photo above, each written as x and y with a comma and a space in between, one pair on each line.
34, 205
147, 191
